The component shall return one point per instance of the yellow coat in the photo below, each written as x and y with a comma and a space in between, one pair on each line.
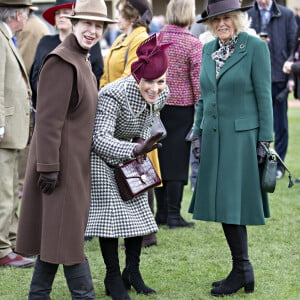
116, 65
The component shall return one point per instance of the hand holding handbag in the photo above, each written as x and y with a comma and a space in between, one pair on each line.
268, 175
134, 178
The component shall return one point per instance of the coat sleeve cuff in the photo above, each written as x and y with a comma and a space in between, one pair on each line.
48, 167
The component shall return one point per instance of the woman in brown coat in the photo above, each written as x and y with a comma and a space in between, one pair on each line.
57, 186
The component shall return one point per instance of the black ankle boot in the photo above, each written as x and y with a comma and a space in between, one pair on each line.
240, 277
135, 279
131, 274
174, 190
79, 281
114, 285
149, 240
178, 221
42, 280
218, 283
115, 288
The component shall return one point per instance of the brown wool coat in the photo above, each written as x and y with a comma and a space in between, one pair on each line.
53, 225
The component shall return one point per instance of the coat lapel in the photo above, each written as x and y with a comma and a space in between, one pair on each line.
237, 55
15, 51
210, 64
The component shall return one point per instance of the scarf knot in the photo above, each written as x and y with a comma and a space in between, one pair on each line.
223, 53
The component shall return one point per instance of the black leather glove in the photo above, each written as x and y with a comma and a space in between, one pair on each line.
140, 150
196, 145
48, 181
261, 152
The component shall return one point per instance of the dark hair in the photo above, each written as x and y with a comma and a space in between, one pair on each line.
131, 13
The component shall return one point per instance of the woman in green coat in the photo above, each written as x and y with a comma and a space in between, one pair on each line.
234, 114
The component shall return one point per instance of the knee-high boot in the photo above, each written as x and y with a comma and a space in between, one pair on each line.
150, 239
131, 274
161, 205
113, 282
42, 280
241, 275
80, 281
174, 198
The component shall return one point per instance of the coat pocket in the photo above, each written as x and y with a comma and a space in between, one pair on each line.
246, 124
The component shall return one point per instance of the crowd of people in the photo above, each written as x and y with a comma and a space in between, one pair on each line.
220, 89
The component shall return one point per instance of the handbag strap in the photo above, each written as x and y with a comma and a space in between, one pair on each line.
273, 152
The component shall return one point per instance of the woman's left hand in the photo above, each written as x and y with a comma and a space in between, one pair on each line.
147, 146
139, 158
261, 152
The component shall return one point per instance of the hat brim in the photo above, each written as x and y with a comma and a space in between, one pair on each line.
33, 8
49, 14
92, 18
207, 17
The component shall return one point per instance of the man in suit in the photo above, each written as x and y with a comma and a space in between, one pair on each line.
15, 96
276, 24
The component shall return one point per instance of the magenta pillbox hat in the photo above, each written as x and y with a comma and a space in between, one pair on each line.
152, 60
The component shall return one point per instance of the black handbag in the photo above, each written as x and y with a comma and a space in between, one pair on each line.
158, 126
133, 178
268, 174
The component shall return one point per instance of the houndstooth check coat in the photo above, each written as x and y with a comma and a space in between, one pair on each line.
122, 115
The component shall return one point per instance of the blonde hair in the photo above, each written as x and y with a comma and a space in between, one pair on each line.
240, 19
181, 12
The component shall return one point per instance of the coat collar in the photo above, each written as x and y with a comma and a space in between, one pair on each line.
239, 52
124, 41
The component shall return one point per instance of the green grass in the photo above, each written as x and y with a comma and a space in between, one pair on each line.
186, 261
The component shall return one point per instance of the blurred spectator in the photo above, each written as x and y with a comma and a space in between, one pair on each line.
277, 26
30, 36
197, 28
296, 14
14, 126
157, 24
111, 33
292, 66
178, 113
28, 40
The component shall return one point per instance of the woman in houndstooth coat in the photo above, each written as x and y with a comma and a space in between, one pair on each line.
121, 133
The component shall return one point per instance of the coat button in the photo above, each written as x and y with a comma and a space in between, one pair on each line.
215, 129
214, 116
214, 104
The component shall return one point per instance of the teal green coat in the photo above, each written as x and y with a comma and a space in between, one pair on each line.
234, 113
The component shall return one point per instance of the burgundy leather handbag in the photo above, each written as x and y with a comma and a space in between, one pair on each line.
134, 179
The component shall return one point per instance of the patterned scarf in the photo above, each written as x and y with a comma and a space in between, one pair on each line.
223, 53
